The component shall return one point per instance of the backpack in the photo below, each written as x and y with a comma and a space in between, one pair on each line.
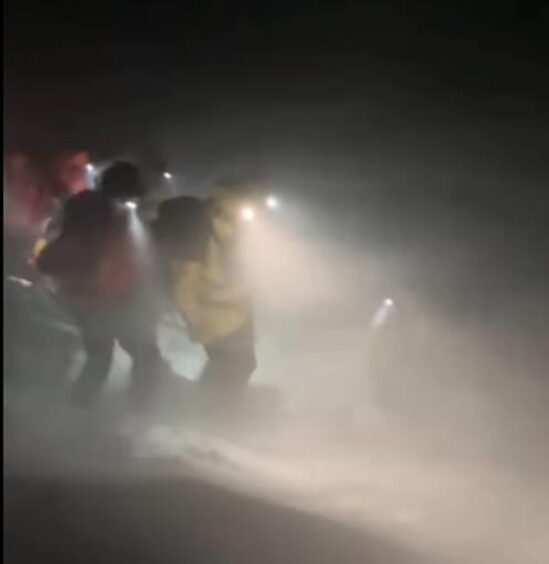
182, 229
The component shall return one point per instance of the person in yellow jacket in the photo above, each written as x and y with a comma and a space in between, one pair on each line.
211, 293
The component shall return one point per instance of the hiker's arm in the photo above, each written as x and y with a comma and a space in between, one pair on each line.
59, 257
59, 249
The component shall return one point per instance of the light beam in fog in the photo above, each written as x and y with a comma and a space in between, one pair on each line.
287, 273
272, 203
248, 214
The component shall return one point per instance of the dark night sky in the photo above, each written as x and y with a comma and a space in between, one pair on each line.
135, 64
338, 84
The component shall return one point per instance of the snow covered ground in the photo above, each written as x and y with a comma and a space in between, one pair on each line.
403, 485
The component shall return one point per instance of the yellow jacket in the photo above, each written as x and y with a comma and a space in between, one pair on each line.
214, 302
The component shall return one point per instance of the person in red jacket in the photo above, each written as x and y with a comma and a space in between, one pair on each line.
99, 266
27, 206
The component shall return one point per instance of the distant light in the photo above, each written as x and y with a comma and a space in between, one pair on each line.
90, 168
383, 313
248, 214
130, 204
272, 203
168, 175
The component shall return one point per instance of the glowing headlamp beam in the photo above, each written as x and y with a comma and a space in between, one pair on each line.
272, 202
247, 214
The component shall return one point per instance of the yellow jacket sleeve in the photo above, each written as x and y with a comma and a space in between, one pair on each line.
39, 246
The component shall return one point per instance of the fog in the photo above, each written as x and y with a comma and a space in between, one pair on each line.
427, 425
426, 429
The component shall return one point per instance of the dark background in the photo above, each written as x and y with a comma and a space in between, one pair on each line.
419, 127
112, 73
